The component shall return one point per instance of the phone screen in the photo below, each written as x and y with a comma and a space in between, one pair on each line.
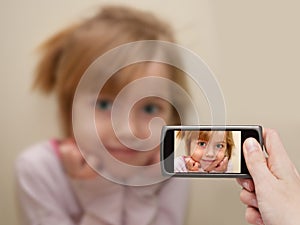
206, 150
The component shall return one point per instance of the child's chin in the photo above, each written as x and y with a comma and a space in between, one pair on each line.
205, 165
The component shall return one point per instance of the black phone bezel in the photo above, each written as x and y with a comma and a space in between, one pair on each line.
167, 153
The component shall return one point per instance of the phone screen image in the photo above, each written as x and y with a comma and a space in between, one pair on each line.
206, 151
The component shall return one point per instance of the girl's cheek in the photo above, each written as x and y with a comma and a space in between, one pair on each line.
220, 155
197, 155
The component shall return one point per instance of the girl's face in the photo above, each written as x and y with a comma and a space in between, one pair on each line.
138, 123
212, 149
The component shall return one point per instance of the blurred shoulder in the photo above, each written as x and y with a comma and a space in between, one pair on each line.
38, 158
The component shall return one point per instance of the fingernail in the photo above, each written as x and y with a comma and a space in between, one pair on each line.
251, 145
245, 185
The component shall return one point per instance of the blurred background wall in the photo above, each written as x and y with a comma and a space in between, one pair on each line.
251, 46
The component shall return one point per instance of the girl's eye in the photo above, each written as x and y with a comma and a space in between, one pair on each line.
104, 104
151, 109
219, 146
202, 144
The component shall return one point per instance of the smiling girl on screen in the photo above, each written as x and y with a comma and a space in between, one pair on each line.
207, 151
55, 184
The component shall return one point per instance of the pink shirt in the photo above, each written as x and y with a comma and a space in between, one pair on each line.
48, 196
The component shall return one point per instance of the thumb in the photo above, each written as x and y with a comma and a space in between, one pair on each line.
256, 161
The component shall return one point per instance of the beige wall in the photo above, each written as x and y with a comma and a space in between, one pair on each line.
252, 47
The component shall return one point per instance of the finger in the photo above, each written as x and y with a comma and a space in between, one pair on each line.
188, 163
253, 216
246, 183
192, 165
197, 155
186, 159
256, 161
65, 153
222, 167
79, 168
86, 172
248, 198
71, 159
224, 164
75, 162
220, 157
279, 161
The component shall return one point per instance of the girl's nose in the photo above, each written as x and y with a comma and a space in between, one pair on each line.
209, 152
128, 130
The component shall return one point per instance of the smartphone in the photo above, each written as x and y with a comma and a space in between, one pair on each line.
206, 151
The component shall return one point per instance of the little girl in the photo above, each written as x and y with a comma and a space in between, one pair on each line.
208, 151
55, 184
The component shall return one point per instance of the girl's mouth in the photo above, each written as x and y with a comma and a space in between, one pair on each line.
208, 160
205, 163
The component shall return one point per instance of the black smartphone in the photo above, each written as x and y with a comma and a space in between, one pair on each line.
206, 151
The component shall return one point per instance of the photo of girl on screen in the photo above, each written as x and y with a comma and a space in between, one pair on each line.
207, 151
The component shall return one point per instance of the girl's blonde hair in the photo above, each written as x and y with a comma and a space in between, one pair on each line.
188, 136
67, 55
